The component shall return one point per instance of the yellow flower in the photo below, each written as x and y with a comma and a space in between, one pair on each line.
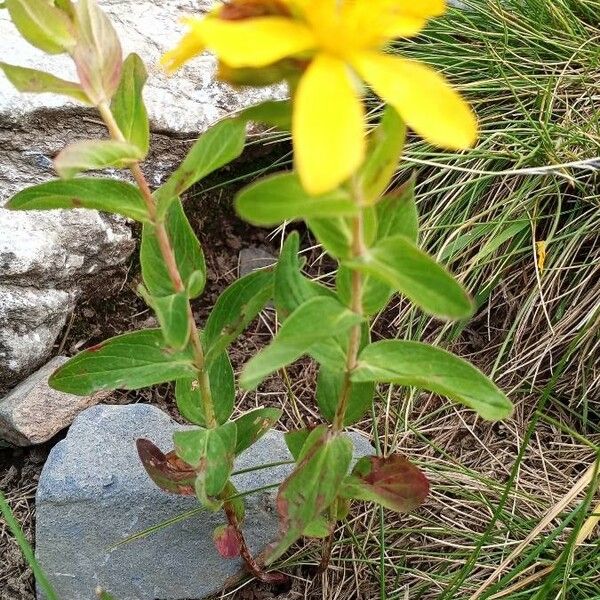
341, 42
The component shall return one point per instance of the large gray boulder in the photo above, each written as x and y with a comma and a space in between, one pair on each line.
44, 256
94, 493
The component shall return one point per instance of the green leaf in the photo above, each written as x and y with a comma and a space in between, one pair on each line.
127, 362
167, 471
97, 54
281, 197
42, 25
188, 255
291, 288
84, 192
313, 485
217, 147
275, 113
172, 313
335, 235
392, 482
397, 213
222, 387
318, 529
33, 81
397, 262
235, 308
95, 154
385, 149
128, 104
295, 440
423, 366
253, 425
329, 390
211, 453
316, 320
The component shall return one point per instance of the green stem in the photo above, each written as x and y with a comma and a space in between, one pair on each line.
168, 255
358, 250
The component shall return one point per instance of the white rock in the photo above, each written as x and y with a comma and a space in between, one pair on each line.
30, 321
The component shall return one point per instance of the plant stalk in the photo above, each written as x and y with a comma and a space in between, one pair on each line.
251, 563
358, 250
168, 255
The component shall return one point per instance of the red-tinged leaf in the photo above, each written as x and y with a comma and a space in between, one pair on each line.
393, 482
98, 56
227, 541
313, 486
167, 471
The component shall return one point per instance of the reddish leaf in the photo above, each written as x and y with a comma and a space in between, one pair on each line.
393, 482
168, 471
227, 541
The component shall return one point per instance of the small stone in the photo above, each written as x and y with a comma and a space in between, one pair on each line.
94, 493
33, 412
254, 258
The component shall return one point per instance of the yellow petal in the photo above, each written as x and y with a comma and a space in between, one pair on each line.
255, 42
423, 98
191, 45
328, 125
377, 21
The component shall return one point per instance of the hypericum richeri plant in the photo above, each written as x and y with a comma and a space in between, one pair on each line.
323, 49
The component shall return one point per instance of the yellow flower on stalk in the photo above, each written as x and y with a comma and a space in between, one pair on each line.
338, 43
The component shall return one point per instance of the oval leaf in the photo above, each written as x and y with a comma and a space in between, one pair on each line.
128, 106
188, 254
253, 425
385, 148
281, 197
32, 81
99, 194
167, 471
393, 482
235, 308
94, 154
217, 147
397, 262
172, 314
97, 55
329, 389
222, 387
210, 452
127, 362
291, 287
318, 319
423, 366
42, 25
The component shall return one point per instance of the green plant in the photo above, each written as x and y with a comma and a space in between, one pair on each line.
372, 233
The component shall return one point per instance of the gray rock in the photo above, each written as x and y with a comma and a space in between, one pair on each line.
94, 493
254, 258
33, 412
